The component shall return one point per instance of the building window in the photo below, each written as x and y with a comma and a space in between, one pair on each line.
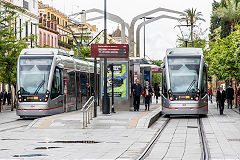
33, 3
20, 28
44, 39
62, 22
26, 29
55, 42
48, 41
15, 27
52, 42
25, 4
40, 39
57, 20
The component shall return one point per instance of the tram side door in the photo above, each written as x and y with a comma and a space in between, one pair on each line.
56, 96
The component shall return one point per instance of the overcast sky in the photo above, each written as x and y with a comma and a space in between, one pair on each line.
160, 34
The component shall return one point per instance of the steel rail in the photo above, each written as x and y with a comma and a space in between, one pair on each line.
205, 153
147, 150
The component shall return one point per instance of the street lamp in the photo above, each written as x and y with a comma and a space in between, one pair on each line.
144, 32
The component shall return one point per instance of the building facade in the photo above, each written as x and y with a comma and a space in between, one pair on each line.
48, 34
26, 23
54, 23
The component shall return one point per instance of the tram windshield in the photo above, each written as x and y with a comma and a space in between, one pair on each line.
184, 73
34, 74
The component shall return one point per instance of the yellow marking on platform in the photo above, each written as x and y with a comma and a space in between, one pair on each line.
48, 121
134, 121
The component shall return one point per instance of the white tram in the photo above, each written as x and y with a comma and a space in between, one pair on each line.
184, 82
50, 81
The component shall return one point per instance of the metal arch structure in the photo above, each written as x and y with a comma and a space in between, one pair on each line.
147, 22
111, 17
134, 20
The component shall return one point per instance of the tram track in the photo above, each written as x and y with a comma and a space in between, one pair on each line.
149, 147
204, 145
11, 125
205, 151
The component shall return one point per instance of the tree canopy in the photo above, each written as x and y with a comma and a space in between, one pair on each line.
10, 46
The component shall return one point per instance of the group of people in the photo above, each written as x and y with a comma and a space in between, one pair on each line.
222, 96
5, 97
146, 91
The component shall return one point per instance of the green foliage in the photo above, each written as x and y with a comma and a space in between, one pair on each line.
223, 56
156, 78
10, 47
157, 62
225, 14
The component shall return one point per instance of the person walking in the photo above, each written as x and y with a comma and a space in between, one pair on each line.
229, 96
147, 94
137, 92
221, 97
156, 91
4, 97
238, 97
210, 94
217, 98
9, 98
1, 97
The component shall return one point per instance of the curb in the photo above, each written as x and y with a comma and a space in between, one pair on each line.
149, 119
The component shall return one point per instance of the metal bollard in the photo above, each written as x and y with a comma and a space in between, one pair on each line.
83, 120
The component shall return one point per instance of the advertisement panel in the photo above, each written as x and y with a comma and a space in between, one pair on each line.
120, 82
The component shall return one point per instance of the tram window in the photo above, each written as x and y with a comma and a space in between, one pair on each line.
56, 89
164, 83
204, 82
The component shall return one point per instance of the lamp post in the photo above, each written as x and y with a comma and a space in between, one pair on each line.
144, 33
105, 103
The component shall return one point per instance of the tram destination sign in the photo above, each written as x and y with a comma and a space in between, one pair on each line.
109, 50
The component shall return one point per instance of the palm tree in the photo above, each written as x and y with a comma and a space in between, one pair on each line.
191, 16
229, 11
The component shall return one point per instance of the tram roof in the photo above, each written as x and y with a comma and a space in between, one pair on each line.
184, 51
45, 51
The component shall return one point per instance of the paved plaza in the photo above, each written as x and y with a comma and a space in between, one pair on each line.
123, 135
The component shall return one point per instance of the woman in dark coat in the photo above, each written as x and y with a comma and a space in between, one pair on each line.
147, 94
156, 91
221, 97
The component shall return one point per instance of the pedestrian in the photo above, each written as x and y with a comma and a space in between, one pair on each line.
137, 92
229, 96
9, 98
221, 97
156, 91
1, 97
238, 97
217, 98
4, 97
210, 94
147, 94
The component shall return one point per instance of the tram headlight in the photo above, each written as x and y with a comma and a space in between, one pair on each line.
19, 96
47, 96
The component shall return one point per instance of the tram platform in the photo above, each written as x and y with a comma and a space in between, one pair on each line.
120, 120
